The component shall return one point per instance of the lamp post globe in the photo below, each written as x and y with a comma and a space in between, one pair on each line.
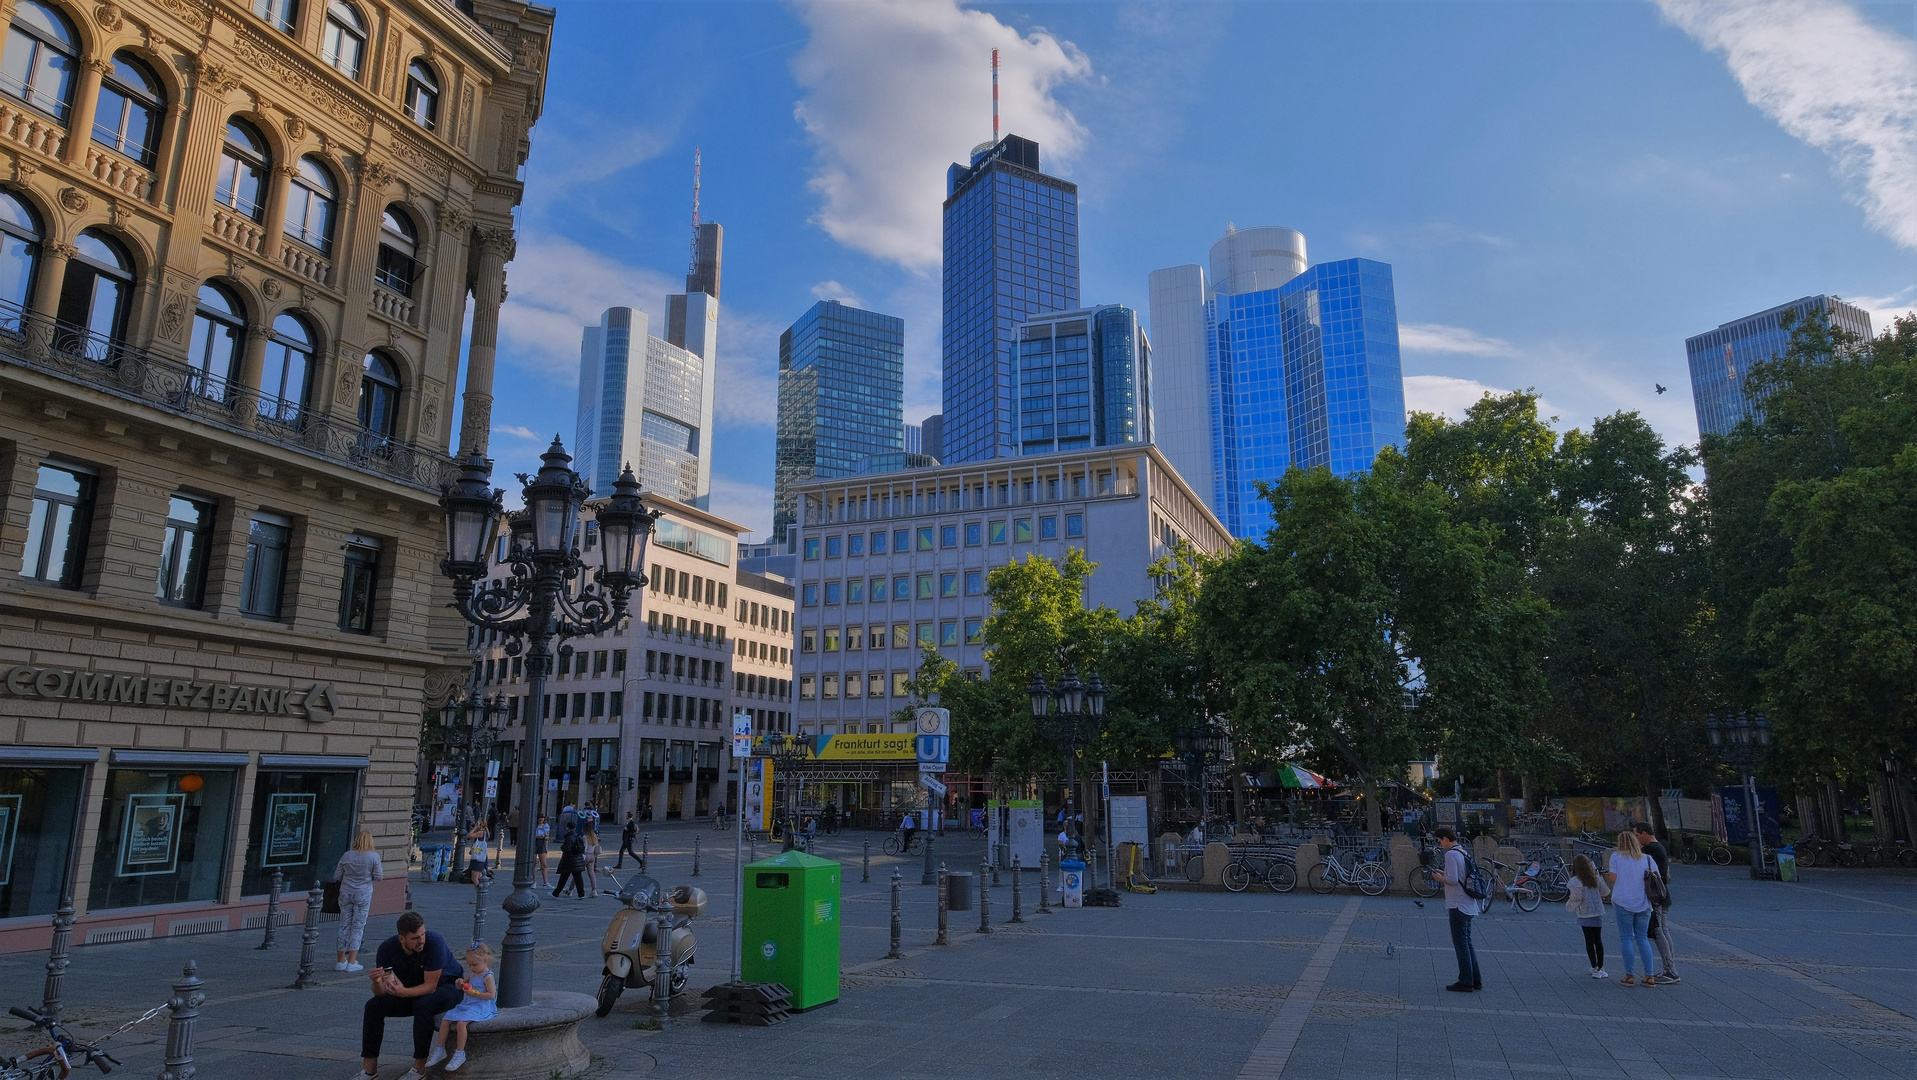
472, 507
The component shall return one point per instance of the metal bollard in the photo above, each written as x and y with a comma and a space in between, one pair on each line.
645, 848
183, 1013
945, 902
895, 953
695, 855
984, 898
57, 958
1018, 904
865, 871
929, 876
479, 908
661, 1001
273, 912
315, 897
1044, 886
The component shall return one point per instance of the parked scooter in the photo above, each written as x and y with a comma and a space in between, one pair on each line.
631, 945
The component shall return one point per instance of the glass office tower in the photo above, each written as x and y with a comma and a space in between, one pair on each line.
1721, 359
1084, 379
1011, 252
1305, 374
841, 398
643, 402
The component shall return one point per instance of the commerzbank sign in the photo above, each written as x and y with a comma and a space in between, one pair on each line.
316, 703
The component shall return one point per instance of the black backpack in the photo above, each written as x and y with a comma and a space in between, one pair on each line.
1475, 884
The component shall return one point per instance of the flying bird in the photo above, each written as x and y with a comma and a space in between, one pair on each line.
1660, 387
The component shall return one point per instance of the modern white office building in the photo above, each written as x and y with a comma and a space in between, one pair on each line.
1242, 261
891, 563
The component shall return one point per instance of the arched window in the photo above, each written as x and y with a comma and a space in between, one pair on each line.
128, 116
398, 252
241, 184
422, 94
214, 352
289, 367
93, 298
379, 396
344, 44
309, 206
19, 255
39, 61
279, 14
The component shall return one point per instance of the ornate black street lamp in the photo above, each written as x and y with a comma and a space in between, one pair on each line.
540, 600
787, 751
1070, 717
1204, 744
468, 730
1742, 741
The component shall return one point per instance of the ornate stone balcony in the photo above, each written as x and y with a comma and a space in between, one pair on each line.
239, 230
392, 305
303, 261
76, 355
24, 127
119, 174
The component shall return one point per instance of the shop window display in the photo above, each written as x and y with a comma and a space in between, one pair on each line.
37, 817
163, 836
302, 823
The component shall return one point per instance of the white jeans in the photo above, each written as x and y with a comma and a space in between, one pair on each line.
354, 904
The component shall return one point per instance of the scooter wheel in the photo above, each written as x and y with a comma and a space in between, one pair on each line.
678, 983
610, 988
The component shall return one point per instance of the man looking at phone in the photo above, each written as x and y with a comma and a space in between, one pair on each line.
415, 975
1459, 908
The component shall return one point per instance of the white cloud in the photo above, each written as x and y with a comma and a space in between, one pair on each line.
1831, 78
516, 431
749, 505
1452, 398
1436, 337
1885, 310
832, 290
897, 90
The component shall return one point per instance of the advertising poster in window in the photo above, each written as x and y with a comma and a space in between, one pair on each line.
150, 841
289, 829
9, 825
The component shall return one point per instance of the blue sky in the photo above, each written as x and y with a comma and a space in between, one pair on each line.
1565, 190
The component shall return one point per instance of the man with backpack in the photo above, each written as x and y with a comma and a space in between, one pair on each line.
1460, 883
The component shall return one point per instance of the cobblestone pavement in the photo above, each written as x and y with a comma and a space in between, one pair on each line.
1799, 981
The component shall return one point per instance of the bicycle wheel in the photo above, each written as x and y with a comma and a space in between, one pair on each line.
1282, 877
1236, 876
1690, 855
1373, 879
1195, 868
1525, 895
1423, 884
1320, 879
1721, 854
1807, 856
1846, 857
1873, 857
891, 845
1907, 857
1554, 886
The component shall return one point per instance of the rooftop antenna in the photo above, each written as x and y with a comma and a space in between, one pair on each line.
995, 97
692, 265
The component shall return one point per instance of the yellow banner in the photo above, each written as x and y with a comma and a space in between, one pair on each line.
848, 747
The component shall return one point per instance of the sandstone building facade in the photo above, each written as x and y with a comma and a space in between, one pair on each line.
238, 241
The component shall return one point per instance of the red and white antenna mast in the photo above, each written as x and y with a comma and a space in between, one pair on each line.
692, 265
995, 97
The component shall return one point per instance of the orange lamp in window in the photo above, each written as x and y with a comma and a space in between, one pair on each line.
192, 782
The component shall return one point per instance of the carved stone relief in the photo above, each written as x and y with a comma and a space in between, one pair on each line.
272, 288
109, 17
74, 200
173, 317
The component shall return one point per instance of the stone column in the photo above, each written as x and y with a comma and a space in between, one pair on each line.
278, 189
489, 292
44, 303
245, 386
86, 97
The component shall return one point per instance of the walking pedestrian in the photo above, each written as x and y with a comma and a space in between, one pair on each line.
627, 835
1628, 870
572, 863
542, 838
1660, 932
1459, 908
358, 868
416, 976
476, 869
591, 857
1586, 905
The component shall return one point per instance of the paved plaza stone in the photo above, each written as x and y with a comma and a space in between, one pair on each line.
1816, 979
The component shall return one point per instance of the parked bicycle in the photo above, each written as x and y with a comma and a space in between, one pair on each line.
56, 1061
1517, 883
1279, 872
1692, 852
1365, 871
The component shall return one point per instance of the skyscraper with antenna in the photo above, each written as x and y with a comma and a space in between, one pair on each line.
1011, 252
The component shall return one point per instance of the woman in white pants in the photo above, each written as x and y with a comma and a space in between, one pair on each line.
357, 871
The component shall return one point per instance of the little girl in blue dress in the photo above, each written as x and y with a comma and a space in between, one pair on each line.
481, 1003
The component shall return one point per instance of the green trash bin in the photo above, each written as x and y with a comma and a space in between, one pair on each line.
791, 928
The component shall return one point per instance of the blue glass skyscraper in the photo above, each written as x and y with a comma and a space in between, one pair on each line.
1721, 359
1011, 252
1084, 379
1305, 374
841, 398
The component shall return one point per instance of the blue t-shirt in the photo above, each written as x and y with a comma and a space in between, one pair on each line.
411, 968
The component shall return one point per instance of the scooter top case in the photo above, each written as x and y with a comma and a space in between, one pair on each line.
687, 900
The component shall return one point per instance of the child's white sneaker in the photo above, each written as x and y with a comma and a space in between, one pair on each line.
1600, 973
438, 1055
459, 1058
354, 967
339, 965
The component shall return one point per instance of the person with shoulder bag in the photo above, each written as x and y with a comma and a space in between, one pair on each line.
1632, 876
1660, 932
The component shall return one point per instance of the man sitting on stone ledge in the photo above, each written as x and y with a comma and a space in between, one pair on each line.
414, 975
